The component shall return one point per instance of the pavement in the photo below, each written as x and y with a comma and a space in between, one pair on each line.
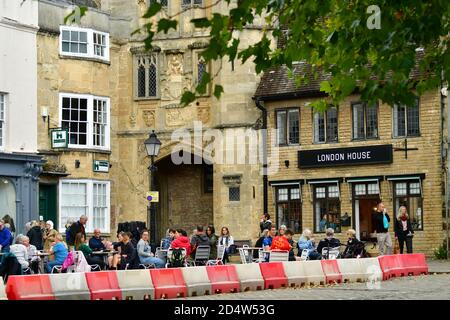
435, 286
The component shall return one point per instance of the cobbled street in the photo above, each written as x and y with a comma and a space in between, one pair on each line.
408, 288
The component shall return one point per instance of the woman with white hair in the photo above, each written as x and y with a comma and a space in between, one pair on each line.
20, 251
329, 242
403, 230
306, 242
49, 235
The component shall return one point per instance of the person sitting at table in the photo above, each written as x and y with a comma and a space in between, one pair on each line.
181, 241
127, 254
80, 244
59, 251
329, 242
96, 243
33, 258
306, 242
145, 252
167, 240
20, 251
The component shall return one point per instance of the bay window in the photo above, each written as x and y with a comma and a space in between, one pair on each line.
84, 43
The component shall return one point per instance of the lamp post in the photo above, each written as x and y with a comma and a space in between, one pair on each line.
152, 146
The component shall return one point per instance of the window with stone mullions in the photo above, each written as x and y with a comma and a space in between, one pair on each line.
288, 126
326, 126
365, 121
147, 76
164, 3
406, 120
234, 193
187, 3
2, 118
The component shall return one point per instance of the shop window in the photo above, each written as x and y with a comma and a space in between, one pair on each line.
85, 197
326, 126
289, 208
409, 194
234, 194
86, 118
406, 120
327, 208
2, 119
288, 126
146, 76
84, 43
365, 121
7, 198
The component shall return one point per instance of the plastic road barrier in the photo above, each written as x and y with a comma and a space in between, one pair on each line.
371, 270
351, 270
295, 273
414, 263
168, 283
69, 286
197, 281
2, 290
331, 270
314, 272
273, 274
250, 277
136, 284
223, 278
103, 285
29, 287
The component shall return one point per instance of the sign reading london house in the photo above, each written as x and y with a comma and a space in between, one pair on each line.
345, 156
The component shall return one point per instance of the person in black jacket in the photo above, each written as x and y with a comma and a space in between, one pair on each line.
403, 230
200, 239
354, 248
36, 236
329, 242
383, 236
265, 222
128, 254
75, 228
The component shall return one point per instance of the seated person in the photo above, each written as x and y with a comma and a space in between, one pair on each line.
145, 252
306, 242
181, 241
199, 239
96, 243
80, 244
127, 254
282, 243
259, 243
329, 242
59, 251
354, 247
267, 242
170, 235
20, 251
33, 258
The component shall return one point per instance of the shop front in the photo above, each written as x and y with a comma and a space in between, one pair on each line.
19, 187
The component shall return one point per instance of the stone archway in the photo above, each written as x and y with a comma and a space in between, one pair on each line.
186, 195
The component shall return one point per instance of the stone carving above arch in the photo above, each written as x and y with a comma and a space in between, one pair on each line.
149, 118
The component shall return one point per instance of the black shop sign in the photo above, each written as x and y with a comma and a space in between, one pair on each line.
345, 156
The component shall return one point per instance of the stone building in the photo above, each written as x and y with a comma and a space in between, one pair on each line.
335, 166
19, 163
99, 83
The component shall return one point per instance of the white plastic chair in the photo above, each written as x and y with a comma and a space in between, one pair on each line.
305, 255
276, 256
219, 259
330, 254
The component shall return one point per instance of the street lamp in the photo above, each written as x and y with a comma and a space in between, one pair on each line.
152, 146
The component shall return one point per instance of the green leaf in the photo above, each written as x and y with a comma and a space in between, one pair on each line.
218, 90
325, 86
187, 98
74, 15
165, 25
154, 8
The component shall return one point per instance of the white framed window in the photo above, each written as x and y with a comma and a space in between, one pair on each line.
2, 120
406, 120
146, 77
84, 43
85, 197
87, 118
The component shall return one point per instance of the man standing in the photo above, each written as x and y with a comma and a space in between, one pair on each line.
5, 237
77, 227
382, 229
265, 222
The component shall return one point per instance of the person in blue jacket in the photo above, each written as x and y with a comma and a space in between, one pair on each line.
5, 237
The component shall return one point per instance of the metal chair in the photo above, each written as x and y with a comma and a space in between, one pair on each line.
95, 267
146, 266
242, 255
305, 255
201, 255
219, 259
278, 255
159, 253
330, 253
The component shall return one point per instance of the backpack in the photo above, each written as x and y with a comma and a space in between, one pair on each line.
176, 259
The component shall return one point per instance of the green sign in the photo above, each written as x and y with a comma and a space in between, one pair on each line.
101, 166
60, 138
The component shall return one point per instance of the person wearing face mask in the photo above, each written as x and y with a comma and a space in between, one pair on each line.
403, 230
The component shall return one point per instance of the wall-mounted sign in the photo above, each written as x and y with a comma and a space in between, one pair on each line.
345, 156
101, 166
60, 138
153, 196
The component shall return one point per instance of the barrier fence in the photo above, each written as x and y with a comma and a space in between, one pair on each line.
198, 281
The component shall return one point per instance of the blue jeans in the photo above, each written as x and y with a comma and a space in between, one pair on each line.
159, 263
51, 264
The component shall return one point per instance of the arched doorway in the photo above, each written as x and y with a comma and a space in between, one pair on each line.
7, 198
186, 195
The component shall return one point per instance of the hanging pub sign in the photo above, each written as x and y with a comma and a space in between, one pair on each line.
60, 138
345, 156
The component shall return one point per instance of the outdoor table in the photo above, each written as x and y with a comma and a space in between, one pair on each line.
105, 255
42, 256
249, 255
